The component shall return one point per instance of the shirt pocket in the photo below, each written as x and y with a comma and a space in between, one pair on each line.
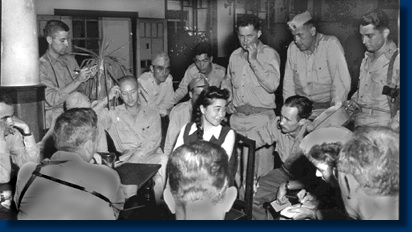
322, 73
236, 78
378, 80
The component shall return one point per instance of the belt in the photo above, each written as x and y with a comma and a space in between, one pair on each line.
248, 110
371, 111
321, 105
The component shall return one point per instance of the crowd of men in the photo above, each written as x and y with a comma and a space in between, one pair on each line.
360, 170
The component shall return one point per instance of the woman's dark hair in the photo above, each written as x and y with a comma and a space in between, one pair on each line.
205, 99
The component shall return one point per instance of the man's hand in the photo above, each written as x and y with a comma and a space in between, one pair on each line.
230, 108
307, 199
114, 92
20, 124
84, 75
252, 52
299, 212
281, 197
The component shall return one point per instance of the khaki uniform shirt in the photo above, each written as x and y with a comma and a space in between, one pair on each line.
180, 115
321, 76
18, 149
253, 83
214, 78
373, 76
141, 136
56, 74
156, 96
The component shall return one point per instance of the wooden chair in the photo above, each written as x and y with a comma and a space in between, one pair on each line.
242, 208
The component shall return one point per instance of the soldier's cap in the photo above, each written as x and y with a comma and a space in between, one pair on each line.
325, 135
299, 19
198, 81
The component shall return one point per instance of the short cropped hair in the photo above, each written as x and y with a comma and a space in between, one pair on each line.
372, 157
304, 105
198, 171
74, 128
159, 55
203, 48
4, 98
378, 18
127, 78
247, 20
54, 26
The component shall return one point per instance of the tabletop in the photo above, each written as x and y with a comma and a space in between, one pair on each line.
136, 173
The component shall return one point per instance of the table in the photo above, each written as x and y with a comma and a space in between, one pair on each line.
136, 173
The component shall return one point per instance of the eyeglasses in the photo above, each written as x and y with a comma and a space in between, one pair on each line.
162, 69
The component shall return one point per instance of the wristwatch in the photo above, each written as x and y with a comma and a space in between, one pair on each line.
28, 134
287, 186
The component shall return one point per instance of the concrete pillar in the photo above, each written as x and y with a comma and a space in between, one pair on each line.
19, 76
19, 44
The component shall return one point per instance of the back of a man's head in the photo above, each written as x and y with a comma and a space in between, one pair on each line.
54, 26
74, 128
198, 174
371, 156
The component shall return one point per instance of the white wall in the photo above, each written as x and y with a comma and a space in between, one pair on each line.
146, 8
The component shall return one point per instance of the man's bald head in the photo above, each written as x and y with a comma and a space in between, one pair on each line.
128, 79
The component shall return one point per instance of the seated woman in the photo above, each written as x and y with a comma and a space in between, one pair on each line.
208, 114
322, 200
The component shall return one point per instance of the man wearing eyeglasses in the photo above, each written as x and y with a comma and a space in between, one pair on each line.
202, 66
17, 144
156, 86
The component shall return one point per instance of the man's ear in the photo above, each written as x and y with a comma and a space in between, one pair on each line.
302, 121
170, 200
229, 199
211, 59
49, 39
151, 68
386, 32
190, 94
259, 33
312, 31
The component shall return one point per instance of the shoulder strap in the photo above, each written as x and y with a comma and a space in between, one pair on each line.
36, 173
390, 67
30, 181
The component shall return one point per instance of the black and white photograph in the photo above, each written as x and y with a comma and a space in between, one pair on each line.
200, 110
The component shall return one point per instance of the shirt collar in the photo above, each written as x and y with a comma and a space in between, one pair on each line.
215, 130
318, 38
61, 59
388, 49
66, 155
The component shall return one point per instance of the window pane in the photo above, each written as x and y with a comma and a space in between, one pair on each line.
92, 29
93, 44
154, 30
78, 29
78, 43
